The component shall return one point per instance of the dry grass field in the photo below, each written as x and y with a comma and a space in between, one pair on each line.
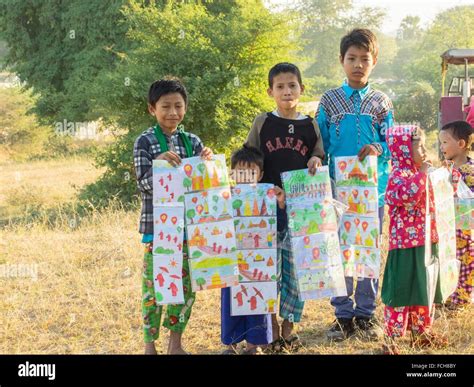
85, 298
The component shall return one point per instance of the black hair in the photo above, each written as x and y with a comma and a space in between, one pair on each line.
461, 130
284, 67
166, 86
247, 155
360, 37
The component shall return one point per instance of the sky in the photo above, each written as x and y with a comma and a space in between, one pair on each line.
398, 9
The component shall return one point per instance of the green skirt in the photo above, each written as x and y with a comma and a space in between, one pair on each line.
405, 280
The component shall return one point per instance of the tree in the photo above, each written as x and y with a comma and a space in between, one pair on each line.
223, 60
20, 134
99, 58
200, 282
344, 237
426, 65
417, 103
409, 28
187, 182
191, 214
271, 221
236, 204
370, 172
60, 49
322, 23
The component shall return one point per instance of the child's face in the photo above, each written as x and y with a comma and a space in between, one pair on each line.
450, 147
418, 152
169, 111
245, 173
358, 63
286, 91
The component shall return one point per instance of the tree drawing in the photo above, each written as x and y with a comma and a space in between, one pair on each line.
200, 282
271, 221
236, 206
187, 183
370, 173
191, 214
344, 237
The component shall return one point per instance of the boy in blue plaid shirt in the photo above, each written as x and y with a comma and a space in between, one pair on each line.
167, 102
353, 120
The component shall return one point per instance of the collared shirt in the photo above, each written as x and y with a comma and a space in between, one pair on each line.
145, 150
351, 118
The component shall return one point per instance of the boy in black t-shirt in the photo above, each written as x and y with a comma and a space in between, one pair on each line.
289, 141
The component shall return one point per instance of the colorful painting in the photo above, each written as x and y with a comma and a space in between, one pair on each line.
255, 232
316, 251
201, 174
257, 265
443, 196
168, 229
444, 213
213, 205
312, 223
360, 200
350, 171
361, 262
214, 272
359, 230
211, 239
254, 208
168, 233
251, 298
464, 212
167, 279
321, 283
167, 183
448, 277
307, 217
254, 200
194, 174
300, 185
318, 258
432, 275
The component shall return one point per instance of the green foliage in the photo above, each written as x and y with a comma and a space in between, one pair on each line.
417, 63
222, 58
417, 103
59, 48
118, 181
322, 25
20, 134
410, 29
88, 59
447, 31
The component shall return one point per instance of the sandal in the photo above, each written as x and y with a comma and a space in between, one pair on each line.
431, 340
229, 351
252, 351
293, 342
390, 349
276, 346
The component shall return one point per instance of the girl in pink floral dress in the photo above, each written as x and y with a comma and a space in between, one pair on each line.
455, 142
405, 282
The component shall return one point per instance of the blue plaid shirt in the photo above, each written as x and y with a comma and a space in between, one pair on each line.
351, 118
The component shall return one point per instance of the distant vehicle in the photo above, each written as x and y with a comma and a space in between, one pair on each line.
455, 99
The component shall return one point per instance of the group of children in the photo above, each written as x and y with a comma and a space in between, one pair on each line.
353, 119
